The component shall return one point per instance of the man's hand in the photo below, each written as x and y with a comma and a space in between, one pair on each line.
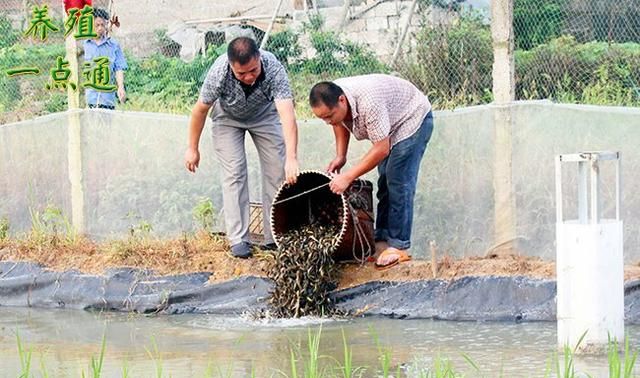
191, 159
290, 133
196, 124
336, 164
291, 170
340, 182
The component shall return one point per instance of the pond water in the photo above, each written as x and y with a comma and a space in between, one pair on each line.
63, 342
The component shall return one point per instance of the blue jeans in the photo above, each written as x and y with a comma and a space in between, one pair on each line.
398, 175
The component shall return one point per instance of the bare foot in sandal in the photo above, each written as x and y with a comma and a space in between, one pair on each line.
390, 257
381, 246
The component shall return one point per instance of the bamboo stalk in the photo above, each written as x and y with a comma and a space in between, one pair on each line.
273, 20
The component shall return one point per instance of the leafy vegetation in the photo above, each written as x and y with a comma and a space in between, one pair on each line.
591, 73
166, 84
333, 57
451, 63
537, 22
4, 228
27, 93
50, 226
8, 35
205, 214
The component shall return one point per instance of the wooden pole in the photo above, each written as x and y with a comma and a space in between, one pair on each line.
405, 29
228, 19
74, 138
344, 15
273, 20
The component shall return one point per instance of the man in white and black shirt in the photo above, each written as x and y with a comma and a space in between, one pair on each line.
249, 91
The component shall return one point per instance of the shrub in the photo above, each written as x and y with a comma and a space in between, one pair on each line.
591, 73
537, 21
8, 35
452, 64
284, 45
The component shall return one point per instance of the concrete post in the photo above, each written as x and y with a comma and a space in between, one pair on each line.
504, 95
503, 61
74, 140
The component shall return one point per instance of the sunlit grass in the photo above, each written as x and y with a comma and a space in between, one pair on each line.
96, 364
156, 357
25, 358
621, 368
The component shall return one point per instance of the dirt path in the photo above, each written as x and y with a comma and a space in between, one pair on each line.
211, 255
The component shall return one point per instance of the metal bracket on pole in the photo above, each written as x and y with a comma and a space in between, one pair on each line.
589, 211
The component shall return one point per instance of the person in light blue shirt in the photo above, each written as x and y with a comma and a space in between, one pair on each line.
104, 46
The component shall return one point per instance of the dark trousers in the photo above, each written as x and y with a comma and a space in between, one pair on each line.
398, 175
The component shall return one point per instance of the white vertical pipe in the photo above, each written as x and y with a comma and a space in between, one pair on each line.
558, 190
618, 186
583, 208
595, 196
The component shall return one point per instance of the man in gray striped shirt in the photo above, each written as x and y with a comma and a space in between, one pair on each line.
396, 117
249, 92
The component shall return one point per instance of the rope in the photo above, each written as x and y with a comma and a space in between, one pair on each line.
357, 201
300, 194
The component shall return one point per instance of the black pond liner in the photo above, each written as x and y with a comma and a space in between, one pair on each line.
487, 298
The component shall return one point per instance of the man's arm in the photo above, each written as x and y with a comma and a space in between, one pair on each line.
290, 131
122, 95
371, 159
196, 124
342, 146
378, 128
119, 66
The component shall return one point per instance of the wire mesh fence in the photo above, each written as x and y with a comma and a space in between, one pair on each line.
574, 51
578, 51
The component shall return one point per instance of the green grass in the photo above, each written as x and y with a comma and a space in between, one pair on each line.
95, 367
346, 369
25, 358
155, 356
621, 368
384, 354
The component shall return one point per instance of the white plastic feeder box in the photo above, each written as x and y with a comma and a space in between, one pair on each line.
589, 263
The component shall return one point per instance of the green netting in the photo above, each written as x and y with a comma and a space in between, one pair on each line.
132, 172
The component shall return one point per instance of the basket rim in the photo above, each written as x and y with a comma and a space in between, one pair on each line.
343, 202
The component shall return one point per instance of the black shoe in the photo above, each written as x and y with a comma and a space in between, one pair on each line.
241, 250
269, 247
